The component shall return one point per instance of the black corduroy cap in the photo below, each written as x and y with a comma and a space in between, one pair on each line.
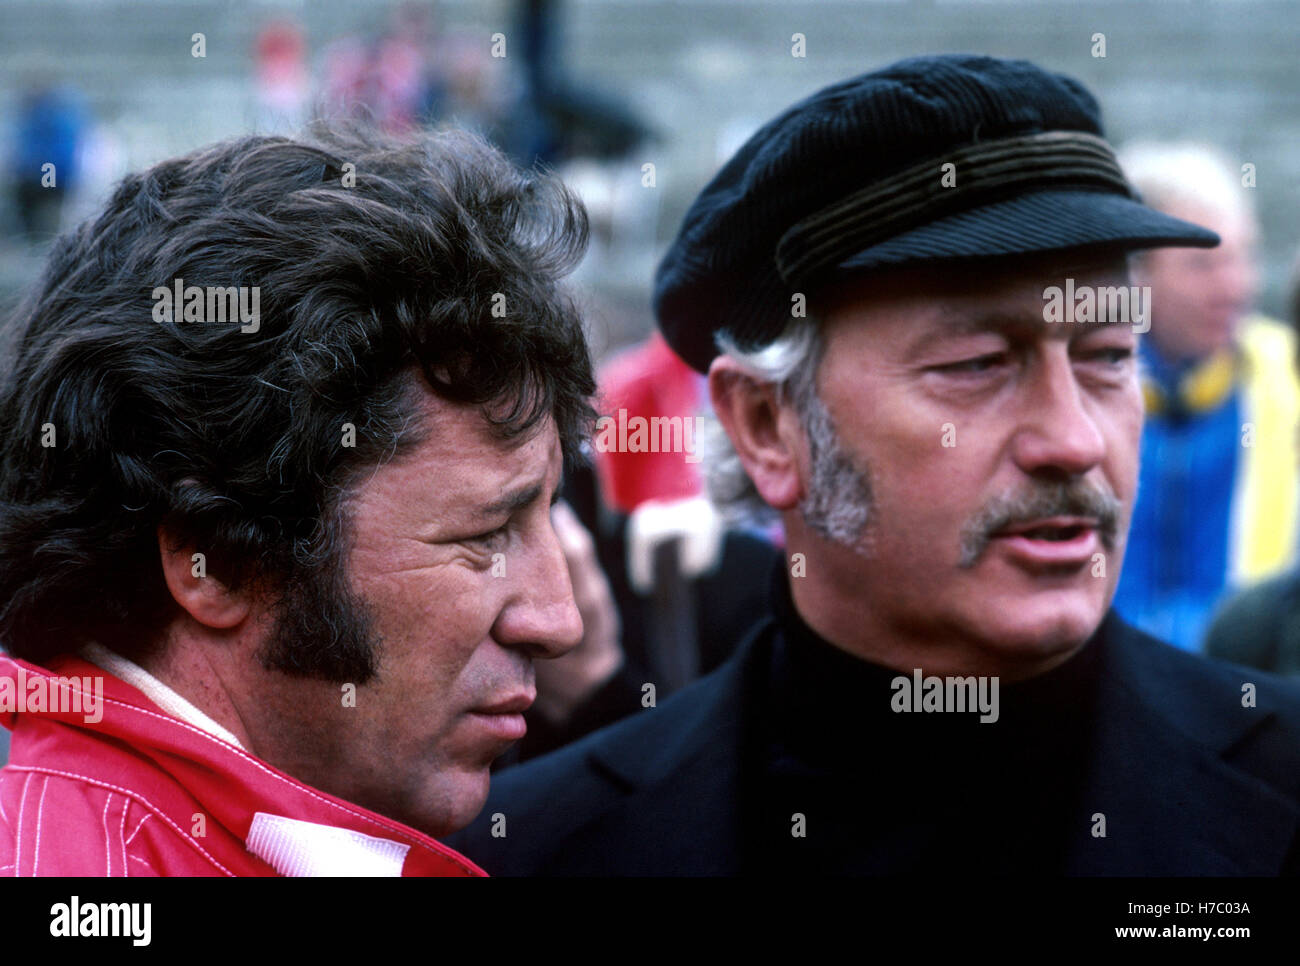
856, 178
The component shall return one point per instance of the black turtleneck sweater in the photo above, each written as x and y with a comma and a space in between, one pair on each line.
884, 792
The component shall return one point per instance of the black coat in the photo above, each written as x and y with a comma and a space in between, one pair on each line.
1191, 782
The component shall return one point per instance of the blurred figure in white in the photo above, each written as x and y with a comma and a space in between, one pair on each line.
1216, 499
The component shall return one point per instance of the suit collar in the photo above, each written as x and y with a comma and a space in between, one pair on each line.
1160, 770
696, 729
684, 763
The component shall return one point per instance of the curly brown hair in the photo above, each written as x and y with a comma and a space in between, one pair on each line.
377, 260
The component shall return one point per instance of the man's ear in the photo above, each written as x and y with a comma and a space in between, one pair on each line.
201, 595
766, 434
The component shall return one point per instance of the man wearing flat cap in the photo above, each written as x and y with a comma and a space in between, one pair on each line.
910, 294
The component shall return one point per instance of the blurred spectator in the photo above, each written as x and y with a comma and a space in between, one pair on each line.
558, 119
466, 91
390, 79
411, 75
282, 77
690, 587
646, 384
50, 127
1216, 503
1260, 626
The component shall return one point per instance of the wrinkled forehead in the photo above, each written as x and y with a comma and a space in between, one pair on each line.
1011, 295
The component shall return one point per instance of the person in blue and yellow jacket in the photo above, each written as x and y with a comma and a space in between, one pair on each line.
1260, 626
1216, 505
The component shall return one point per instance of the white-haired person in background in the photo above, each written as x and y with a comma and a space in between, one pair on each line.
1216, 501
1260, 626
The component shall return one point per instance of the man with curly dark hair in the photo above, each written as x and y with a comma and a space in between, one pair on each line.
284, 424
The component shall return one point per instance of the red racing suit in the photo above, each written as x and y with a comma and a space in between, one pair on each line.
140, 792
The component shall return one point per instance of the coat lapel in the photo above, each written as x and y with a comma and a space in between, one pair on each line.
1158, 771
685, 774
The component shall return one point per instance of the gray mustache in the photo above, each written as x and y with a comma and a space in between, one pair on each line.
1072, 499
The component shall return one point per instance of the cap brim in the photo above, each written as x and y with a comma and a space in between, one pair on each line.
1041, 222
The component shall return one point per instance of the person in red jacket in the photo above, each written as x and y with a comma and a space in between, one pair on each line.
284, 426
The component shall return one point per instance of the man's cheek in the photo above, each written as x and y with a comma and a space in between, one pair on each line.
469, 612
1126, 460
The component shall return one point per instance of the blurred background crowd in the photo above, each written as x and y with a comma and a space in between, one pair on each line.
635, 103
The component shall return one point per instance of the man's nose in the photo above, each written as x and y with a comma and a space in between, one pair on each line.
1056, 430
541, 616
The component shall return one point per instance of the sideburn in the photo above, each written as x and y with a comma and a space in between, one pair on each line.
323, 629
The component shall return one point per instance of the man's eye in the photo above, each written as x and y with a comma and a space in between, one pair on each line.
491, 538
1114, 356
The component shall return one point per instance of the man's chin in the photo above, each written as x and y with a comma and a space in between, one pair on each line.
446, 804
1045, 625
1028, 633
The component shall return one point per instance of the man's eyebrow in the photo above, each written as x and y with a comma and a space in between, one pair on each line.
965, 323
511, 502
519, 499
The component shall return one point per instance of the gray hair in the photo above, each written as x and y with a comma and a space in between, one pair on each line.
1173, 173
838, 502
